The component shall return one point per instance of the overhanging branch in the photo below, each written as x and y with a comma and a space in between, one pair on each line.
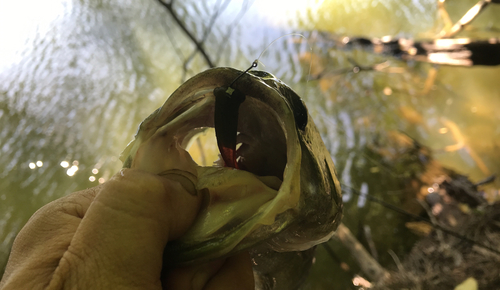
199, 45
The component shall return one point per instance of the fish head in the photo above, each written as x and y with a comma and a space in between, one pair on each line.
285, 194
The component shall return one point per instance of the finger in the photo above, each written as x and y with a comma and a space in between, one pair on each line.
43, 240
126, 228
236, 273
193, 277
226, 274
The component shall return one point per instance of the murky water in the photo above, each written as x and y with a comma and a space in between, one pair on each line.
75, 83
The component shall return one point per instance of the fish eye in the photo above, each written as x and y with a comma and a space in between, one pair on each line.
300, 114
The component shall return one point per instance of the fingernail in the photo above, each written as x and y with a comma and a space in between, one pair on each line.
186, 179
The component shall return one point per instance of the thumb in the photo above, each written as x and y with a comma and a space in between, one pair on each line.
126, 228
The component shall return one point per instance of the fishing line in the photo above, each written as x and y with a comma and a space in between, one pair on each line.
289, 34
254, 64
419, 218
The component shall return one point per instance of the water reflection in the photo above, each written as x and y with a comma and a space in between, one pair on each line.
84, 74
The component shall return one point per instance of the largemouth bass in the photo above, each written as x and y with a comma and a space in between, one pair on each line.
285, 197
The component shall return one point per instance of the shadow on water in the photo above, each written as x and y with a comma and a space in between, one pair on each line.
77, 92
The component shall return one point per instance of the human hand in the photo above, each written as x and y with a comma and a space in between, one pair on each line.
112, 237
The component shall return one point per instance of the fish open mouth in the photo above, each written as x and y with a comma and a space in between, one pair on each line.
261, 141
285, 191
236, 201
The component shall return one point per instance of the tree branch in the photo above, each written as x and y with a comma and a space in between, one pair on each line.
373, 270
206, 32
199, 46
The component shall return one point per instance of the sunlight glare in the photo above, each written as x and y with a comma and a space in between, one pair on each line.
22, 21
72, 170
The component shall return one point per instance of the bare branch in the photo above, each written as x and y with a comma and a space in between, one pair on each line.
423, 219
244, 8
466, 19
199, 46
373, 270
207, 31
